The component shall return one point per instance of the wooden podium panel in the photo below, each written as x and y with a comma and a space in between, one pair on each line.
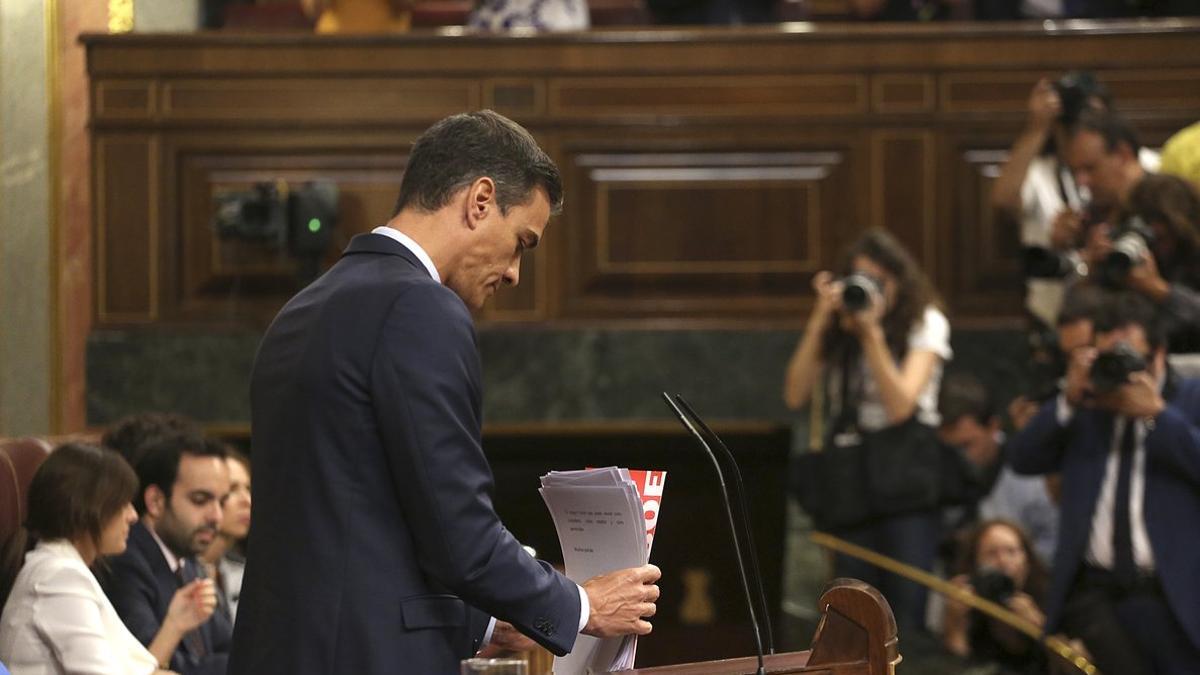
856, 636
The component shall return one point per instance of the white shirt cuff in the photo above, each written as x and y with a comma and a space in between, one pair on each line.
487, 634
585, 609
1064, 410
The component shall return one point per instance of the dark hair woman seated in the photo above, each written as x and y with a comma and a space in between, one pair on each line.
56, 619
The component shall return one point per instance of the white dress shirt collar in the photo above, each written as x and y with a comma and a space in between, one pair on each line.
411, 245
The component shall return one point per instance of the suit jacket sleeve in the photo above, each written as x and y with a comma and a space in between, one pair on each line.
132, 589
130, 586
425, 385
1175, 442
1039, 447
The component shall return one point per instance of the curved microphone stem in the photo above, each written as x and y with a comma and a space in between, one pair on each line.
737, 548
740, 488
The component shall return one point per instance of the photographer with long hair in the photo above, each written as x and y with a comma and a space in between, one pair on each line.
998, 563
877, 340
56, 619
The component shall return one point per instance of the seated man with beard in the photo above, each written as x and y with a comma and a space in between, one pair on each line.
182, 482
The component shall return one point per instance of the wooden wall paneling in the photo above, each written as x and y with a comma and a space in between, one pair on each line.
516, 97
234, 278
708, 96
720, 138
712, 227
1168, 92
903, 189
981, 278
125, 99
310, 99
126, 211
903, 93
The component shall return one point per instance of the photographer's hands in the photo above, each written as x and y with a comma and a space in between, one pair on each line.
828, 296
1146, 279
1140, 397
1045, 106
1078, 389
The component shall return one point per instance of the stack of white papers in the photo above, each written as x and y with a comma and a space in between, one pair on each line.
604, 524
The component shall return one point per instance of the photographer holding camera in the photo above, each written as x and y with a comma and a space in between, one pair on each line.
1156, 252
1036, 189
1125, 433
878, 339
998, 563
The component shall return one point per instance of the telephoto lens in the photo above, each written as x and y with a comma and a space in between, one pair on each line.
1131, 244
860, 291
1127, 252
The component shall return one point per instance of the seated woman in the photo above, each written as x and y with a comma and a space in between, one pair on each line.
225, 559
998, 564
56, 620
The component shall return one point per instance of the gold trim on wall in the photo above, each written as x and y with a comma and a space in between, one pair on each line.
54, 133
120, 16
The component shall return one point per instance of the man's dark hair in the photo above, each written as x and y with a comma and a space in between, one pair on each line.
1129, 308
131, 434
460, 149
1110, 126
159, 464
1080, 302
963, 394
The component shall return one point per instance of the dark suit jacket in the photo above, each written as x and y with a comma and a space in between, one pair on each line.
140, 585
1080, 451
374, 530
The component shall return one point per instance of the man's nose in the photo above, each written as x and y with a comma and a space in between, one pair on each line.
512, 275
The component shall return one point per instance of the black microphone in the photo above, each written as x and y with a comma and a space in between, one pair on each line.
737, 547
740, 488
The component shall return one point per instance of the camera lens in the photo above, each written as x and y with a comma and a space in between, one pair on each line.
858, 292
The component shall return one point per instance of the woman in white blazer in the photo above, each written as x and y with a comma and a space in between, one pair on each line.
56, 620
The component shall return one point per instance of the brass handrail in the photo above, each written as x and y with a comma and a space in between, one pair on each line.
1055, 645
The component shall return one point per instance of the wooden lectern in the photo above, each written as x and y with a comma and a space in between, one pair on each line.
856, 636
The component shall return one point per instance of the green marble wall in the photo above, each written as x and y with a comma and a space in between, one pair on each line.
530, 374
25, 222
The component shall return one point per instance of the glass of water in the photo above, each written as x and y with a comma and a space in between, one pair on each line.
493, 667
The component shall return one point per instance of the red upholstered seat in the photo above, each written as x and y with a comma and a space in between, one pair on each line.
19, 459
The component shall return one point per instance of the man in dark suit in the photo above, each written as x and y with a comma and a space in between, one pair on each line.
157, 585
1125, 573
375, 546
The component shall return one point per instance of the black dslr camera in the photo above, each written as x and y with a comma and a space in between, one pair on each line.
861, 291
992, 584
1131, 243
1112, 368
1074, 89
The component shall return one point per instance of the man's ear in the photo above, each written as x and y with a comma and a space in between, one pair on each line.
1126, 152
155, 500
481, 200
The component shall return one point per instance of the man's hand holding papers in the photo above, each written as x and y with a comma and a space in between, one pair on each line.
621, 601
